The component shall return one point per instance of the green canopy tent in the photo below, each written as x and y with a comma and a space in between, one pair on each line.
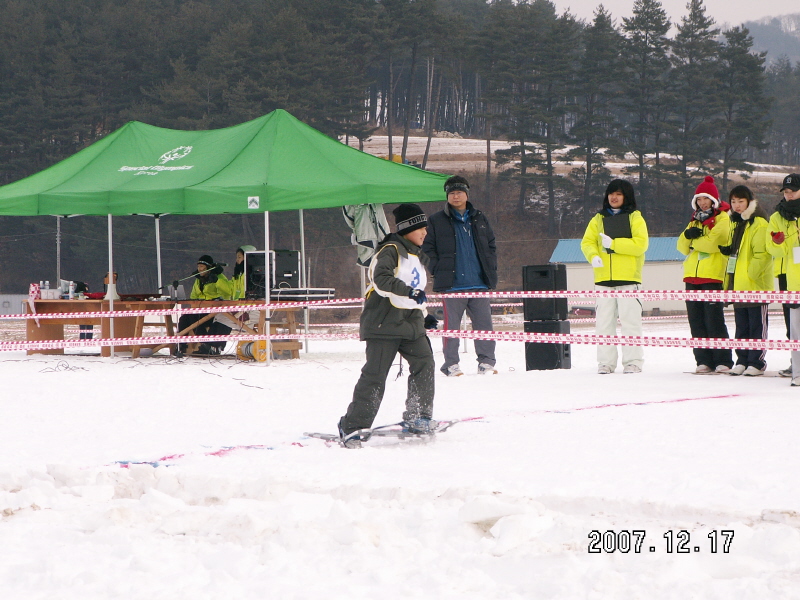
272, 163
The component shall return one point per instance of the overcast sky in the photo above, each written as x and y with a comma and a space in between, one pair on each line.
732, 12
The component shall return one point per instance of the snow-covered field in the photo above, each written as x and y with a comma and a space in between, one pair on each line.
236, 503
450, 154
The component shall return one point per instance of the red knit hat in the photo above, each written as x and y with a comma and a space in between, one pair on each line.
707, 189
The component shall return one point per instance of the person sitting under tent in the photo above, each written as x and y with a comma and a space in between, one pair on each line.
238, 283
210, 284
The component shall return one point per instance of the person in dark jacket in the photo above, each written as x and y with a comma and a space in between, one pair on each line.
394, 320
461, 246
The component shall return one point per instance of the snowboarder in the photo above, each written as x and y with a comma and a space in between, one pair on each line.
394, 320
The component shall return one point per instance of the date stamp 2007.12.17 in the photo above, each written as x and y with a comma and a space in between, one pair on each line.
680, 542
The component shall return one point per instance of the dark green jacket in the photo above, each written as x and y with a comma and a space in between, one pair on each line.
381, 319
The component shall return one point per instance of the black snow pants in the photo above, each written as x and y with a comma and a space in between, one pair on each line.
369, 390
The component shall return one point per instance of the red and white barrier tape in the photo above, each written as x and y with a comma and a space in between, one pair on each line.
622, 340
154, 341
647, 295
503, 336
177, 310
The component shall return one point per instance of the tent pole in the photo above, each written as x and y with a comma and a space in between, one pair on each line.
111, 291
267, 277
58, 251
363, 280
158, 253
303, 279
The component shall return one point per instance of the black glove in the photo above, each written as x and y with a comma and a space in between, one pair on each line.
418, 296
693, 233
216, 270
431, 322
726, 250
212, 278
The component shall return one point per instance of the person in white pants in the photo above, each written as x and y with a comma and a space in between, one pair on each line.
629, 313
615, 243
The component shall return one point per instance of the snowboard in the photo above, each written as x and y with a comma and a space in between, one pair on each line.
393, 430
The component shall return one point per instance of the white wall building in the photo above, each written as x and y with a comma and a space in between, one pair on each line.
11, 304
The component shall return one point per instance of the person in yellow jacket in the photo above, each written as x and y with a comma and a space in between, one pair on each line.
748, 269
704, 269
614, 243
209, 284
238, 282
783, 244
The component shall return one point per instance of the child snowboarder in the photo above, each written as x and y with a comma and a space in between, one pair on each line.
614, 243
393, 321
748, 269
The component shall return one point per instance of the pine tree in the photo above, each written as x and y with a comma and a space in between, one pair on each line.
511, 52
644, 50
783, 83
597, 88
693, 95
557, 55
742, 79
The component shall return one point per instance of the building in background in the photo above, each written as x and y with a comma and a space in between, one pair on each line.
663, 270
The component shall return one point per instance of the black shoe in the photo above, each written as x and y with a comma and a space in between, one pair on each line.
350, 440
421, 426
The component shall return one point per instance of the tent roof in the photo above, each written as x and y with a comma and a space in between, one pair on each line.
272, 163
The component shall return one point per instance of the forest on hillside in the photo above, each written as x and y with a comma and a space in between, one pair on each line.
677, 101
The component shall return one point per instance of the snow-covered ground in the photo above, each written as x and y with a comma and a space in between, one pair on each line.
237, 503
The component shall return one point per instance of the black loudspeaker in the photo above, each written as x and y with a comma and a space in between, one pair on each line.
540, 278
540, 357
287, 269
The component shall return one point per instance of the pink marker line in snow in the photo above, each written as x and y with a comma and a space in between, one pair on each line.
224, 451
622, 404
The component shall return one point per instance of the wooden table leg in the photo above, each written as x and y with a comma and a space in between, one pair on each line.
292, 325
138, 326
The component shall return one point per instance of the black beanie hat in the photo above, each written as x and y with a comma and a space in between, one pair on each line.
456, 183
206, 260
409, 217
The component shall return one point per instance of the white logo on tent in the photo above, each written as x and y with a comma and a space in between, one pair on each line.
252, 202
175, 154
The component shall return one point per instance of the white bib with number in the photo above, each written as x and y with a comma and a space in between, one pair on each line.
410, 271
